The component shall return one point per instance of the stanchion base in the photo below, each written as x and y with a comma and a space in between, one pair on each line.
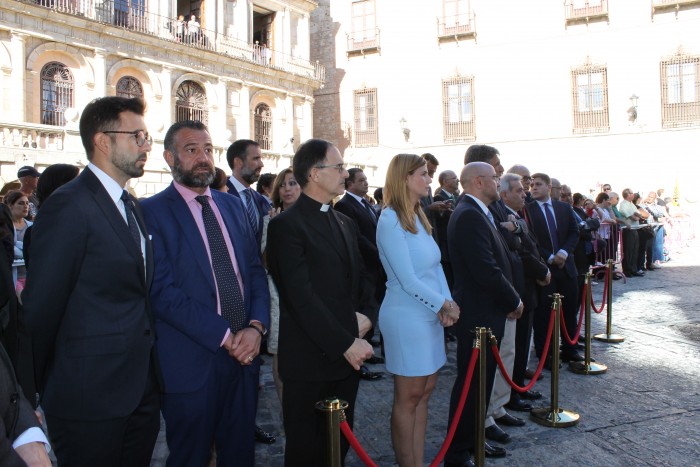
546, 416
609, 338
592, 368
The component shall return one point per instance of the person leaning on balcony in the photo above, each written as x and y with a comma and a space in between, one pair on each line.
193, 29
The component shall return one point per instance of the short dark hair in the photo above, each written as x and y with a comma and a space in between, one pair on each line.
601, 197
379, 194
309, 154
169, 141
480, 153
238, 150
578, 197
265, 181
430, 158
102, 114
351, 178
545, 178
219, 181
53, 177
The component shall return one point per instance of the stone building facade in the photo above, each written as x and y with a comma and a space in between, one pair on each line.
240, 66
589, 91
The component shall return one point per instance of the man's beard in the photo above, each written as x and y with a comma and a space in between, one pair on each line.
192, 179
126, 165
250, 176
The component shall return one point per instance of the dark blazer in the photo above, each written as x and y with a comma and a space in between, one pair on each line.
321, 284
190, 331
260, 203
441, 221
86, 305
482, 268
567, 231
367, 225
16, 413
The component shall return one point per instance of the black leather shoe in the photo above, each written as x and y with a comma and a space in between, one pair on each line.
518, 405
509, 420
262, 436
494, 451
494, 433
573, 356
530, 395
370, 375
373, 360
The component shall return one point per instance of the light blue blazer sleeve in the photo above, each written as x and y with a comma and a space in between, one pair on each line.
393, 245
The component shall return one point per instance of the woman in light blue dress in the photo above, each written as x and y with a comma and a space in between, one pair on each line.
416, 306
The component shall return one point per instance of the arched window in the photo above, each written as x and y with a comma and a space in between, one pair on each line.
263, 126
191, 103
129, 87
57, 95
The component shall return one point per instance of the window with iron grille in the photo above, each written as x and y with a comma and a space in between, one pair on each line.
263, 126
366, 118
364, 26
57, 86
191, 103
456, 18
590, 99
458, 109
129, 87
680, 91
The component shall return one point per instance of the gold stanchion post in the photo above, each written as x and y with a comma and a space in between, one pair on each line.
554, 416
587, 367
333, 409
483, 335
609, 336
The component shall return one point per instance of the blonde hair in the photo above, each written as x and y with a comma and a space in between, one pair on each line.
396, 192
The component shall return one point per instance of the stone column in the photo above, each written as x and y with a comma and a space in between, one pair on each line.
167, 103
17, 82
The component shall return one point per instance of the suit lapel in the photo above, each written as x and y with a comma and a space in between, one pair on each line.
190, 232
114, 217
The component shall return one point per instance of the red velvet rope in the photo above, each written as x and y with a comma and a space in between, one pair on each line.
361, 453
458, 411
605, 294
564, 332
540, 366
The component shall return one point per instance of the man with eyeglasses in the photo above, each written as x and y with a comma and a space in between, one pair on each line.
86, 304
326, 302
525, 179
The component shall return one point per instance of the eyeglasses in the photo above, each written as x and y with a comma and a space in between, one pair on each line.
339, 167
141, 136
607, 188
526, 179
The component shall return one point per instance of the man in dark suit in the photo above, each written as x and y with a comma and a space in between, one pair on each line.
483, 291
245, 159
430, 206
356, 207
446, 194
211, 303
86, 303
556, 230
326, 301
535, 272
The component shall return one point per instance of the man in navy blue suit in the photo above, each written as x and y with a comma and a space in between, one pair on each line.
211, 303
245, 159
554, 225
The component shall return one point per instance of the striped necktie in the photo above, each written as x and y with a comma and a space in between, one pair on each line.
250, 210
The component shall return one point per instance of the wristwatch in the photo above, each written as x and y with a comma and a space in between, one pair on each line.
261, 329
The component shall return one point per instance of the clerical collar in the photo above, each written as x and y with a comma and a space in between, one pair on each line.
325, 207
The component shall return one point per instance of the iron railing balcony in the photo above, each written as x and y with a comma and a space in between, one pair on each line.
132, 15
456, 25
585, 9
364, 41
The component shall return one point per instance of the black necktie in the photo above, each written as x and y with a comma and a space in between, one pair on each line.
368, 207
131, 220
230, 297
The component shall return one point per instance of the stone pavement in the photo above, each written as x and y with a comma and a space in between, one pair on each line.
642, 412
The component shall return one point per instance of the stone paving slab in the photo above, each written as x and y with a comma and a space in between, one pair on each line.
643, 412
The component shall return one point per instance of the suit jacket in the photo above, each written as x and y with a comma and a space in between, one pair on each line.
482, 268
441, 221
261, 205
86, 305
567, 232
534, 267
367, 226
190, 331
16, 414
321, 283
